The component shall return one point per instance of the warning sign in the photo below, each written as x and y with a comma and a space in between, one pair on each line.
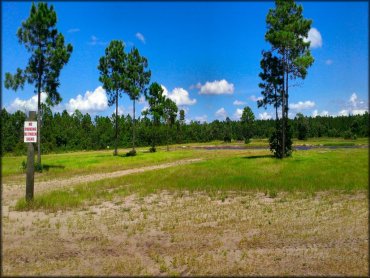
30, 132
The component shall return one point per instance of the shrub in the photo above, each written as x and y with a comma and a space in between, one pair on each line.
349, 135
131, 153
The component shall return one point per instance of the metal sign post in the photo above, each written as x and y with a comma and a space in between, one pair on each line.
30, 137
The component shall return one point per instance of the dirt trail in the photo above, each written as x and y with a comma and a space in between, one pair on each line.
13, 192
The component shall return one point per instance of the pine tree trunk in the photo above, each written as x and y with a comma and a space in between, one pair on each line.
286, 100
283, 112
115, 142
168, 148
39, 123
133, 129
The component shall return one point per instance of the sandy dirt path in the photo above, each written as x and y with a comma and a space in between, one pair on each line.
13, 192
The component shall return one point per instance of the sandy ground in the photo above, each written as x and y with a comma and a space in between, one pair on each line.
185, 233
12, 192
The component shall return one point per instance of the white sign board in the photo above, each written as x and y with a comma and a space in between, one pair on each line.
30, 132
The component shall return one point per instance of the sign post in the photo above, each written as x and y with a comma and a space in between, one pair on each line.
30, 137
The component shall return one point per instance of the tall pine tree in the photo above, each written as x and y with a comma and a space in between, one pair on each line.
49, 54
287, 33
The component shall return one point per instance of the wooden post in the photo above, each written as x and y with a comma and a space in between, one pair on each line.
30, 163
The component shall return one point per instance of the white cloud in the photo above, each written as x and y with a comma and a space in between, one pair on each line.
179, 95
323, 113
302, 105
73, 30
238, 113
26, 105
96, 41
195, 86
217, 88
140, 37
355, 106
124, 111
91, 102
265, 116
201, 119
329, 62
353, 99
314, 37
343, 112
141, 100
359, 111
254, 98
239, 102
221, 113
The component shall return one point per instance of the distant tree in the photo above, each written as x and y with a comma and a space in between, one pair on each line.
355, 126
169, 113
112, 69
49, 54
302, 126
182, 117
156, 100
287, 30
138, 78
247, 120
227, 130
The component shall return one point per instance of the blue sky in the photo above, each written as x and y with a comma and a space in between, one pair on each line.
206, 55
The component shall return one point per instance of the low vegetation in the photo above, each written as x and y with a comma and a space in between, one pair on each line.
249, 170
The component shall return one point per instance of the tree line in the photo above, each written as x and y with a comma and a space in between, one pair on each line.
65, 132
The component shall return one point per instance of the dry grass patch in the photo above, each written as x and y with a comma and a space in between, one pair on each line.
182, 233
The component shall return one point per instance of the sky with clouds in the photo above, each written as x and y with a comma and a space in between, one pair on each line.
205, 55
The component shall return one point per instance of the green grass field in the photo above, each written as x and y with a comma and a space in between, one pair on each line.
75, 163
241, 170
84, 162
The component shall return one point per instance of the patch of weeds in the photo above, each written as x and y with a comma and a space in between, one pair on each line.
173, 273
223, 198
272, 194
163, 267
125, 209
267, 209
244, 255
23, 166
58, 225
37, 167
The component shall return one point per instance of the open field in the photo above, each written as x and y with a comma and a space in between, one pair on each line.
219, 212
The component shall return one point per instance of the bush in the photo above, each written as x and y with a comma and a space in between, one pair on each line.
227, 139
131, 153
349, 135
37, 167
24, 166
152, 149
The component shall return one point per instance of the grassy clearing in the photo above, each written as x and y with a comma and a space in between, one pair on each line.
76, 163
307, 171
